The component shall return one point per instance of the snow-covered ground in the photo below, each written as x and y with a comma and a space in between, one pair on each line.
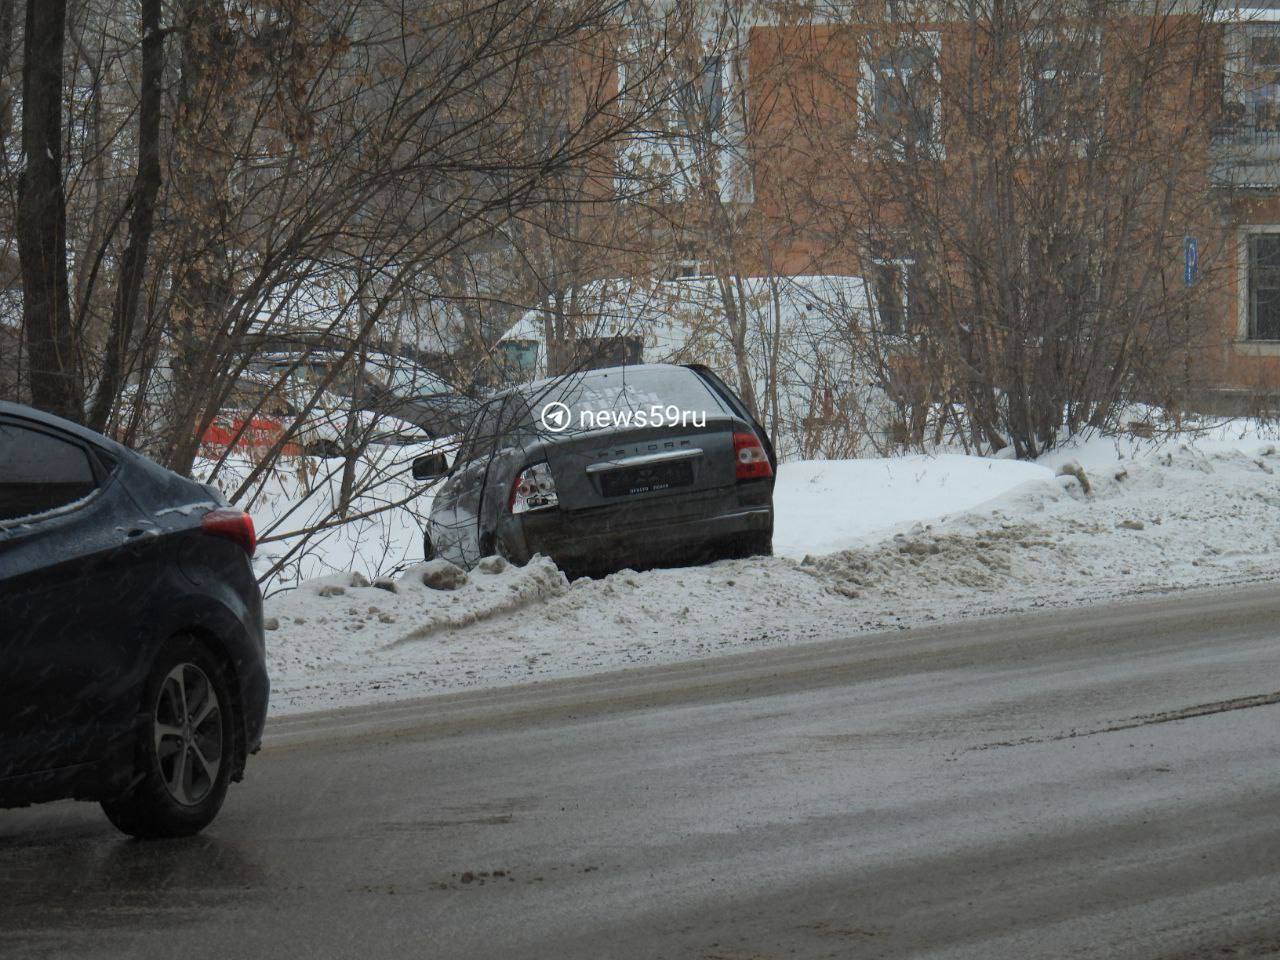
862, 545
382, 529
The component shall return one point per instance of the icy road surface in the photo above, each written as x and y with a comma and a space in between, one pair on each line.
1094, 783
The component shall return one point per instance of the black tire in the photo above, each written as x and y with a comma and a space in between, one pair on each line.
182, 727
503, 549
760, 544
756, 544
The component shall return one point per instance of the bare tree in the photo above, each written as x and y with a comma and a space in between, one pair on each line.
142, 204
1020, 176
52, 351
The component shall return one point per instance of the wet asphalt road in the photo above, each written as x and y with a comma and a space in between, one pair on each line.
1099, 783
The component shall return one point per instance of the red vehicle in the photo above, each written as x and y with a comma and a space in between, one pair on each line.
249, 432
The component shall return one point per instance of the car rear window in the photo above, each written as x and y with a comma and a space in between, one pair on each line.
40, 472
630, 389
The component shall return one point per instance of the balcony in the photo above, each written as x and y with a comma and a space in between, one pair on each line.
1246, 145
1250, 136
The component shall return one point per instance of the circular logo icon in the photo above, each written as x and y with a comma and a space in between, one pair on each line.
555, 416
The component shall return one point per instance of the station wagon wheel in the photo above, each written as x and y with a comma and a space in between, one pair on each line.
174, 782
187, 725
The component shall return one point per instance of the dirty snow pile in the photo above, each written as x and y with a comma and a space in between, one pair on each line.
340, 626
863, 545
1180, 518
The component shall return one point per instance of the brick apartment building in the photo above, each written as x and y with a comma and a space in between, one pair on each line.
1245, 147
807, 198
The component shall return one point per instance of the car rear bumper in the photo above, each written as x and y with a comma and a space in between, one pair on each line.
255, 691
645, 531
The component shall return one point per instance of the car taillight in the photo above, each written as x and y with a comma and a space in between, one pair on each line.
234, 525
750, 460
534, 489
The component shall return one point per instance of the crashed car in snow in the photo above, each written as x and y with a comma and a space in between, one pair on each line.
132, 664
621, 467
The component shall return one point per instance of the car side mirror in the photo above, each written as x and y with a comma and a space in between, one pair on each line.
430, 466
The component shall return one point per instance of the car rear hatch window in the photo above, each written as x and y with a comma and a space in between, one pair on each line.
627, 397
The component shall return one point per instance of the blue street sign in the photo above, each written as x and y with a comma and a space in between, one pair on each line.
1191, 260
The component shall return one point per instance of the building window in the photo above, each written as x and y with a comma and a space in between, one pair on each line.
707, 94
1064, 86
894, 289
686, 120
900, 96
1251, 85
1262, 81
1264, 286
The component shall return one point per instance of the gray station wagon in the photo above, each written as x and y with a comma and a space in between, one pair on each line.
623, 467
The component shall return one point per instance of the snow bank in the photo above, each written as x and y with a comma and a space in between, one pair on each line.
828, 505
331, 625
1173, 518
864, 545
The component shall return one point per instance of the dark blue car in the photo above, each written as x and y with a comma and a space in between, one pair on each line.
132, 665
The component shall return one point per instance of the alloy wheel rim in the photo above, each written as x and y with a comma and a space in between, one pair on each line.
188, 734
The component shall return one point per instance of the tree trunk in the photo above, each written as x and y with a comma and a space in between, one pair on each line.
200, 296
735, 311
775, 354
42, 218
354, 437
146, 187
6, 95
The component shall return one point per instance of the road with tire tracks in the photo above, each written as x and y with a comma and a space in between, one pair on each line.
1100, 782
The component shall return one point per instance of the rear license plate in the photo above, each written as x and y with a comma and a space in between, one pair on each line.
647, 479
